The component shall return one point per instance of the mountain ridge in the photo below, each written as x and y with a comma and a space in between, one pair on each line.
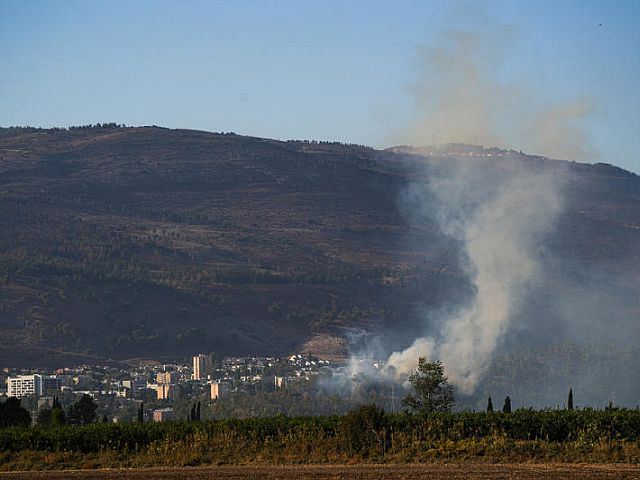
121, 242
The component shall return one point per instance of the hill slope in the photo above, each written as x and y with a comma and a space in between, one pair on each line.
130, 242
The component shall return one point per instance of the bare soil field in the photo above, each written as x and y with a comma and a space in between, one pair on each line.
359, 472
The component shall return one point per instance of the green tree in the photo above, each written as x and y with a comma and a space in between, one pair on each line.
141, 413
57, 413
44, 416
570, 400
506, 408
489, 405
83, 412
58, 417
364, 430
433, 393
13, 414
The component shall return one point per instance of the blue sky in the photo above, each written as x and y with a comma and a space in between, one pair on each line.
333, 70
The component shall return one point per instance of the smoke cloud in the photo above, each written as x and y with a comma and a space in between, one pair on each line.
499, 222
459, 97
500, 230
527, 307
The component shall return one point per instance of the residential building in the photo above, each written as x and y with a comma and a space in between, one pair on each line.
133, 385
201, 367
51, 384
166, 377
219, 390
122, 393
82, 381
164, 391
163, 415
24, 385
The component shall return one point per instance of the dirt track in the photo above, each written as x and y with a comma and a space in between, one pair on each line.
358, 472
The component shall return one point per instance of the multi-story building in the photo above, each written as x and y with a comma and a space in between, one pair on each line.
163, 415
51, 384
134, 384
279, 382
219, 390
200, 367
166, 377
24, 385
164, 391
82, 381
146, 394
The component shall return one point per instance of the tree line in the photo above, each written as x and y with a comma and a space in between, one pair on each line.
82, 412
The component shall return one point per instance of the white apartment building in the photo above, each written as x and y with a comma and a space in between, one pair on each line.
24, 385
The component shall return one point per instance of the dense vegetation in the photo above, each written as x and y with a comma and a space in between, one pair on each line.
121, 242
367, 434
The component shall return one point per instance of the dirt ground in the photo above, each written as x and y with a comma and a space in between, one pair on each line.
357, 472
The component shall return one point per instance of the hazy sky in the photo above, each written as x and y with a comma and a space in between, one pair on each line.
334, 70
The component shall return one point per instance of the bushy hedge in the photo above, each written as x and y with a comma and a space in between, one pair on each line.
350, 433
548, 425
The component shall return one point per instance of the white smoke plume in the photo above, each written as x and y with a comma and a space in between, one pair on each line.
500, 235
460, 97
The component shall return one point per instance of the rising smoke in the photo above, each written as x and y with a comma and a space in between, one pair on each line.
459, 97
500, 227
500, 222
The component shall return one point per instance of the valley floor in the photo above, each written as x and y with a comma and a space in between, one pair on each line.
451, 471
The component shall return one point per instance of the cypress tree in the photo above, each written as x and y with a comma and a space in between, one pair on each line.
141, 413
44, 416
57, 416
198, 412
489, 405
570, 401
57, 413
506, 408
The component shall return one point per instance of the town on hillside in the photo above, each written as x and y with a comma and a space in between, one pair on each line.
161, 391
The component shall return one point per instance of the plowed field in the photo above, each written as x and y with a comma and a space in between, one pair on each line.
358, 472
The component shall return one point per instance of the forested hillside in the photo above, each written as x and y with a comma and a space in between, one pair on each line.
147, 242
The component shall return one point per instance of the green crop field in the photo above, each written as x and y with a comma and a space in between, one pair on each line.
590, 436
